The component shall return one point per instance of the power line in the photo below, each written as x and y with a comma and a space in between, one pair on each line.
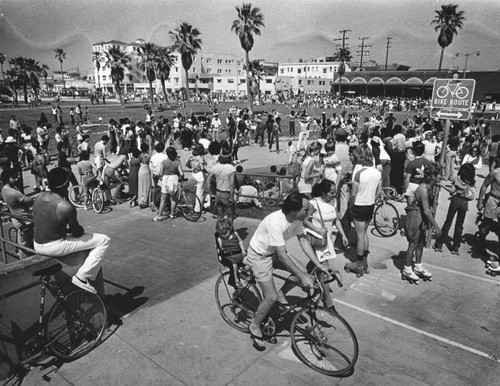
387, 51
363, 51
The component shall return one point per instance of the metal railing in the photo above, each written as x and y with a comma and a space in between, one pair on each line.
5, 240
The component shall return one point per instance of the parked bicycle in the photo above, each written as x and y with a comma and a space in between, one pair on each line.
73, 327
321, 338
385, 215
187, 202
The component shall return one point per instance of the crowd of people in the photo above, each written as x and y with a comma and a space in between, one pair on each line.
341, 163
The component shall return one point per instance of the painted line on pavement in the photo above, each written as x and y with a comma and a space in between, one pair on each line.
418, 331
497, 282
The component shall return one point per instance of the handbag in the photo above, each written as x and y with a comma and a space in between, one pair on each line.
317, 242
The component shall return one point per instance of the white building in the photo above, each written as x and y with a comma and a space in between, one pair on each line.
310, 75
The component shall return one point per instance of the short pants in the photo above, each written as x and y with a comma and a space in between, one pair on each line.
169, 184
362, 212
262, 266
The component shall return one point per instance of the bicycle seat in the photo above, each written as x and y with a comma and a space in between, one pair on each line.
49, 271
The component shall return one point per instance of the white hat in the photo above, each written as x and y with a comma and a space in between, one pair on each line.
10, 139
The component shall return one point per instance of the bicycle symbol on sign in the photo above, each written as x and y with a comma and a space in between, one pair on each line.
453, 89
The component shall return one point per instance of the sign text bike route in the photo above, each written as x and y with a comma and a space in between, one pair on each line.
452, 98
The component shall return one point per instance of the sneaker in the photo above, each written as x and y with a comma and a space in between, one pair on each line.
83, 284
159, 218
455, 252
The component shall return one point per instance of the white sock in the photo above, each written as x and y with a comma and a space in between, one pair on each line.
419, 267
408, 268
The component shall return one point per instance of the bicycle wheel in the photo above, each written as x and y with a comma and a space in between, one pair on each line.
98, 200
76, 325
386, 219
324, 341
236, 307
75, 196
187, 204
271, 196
442, 92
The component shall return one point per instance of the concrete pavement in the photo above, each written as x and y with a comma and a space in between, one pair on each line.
442, 332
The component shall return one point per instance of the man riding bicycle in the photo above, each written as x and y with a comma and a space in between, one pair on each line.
267, 250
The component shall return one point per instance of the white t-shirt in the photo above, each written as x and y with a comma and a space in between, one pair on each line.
155, 162
205, 142
332, 167
273, 232
368, 179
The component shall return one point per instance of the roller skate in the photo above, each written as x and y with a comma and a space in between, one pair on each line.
410, 276
358, 268
493, 268
423, 274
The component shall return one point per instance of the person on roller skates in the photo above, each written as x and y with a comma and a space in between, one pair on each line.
419, 220
489, 205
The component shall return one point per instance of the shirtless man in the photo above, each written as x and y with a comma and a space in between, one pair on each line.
58, 232
491, 204
109, 176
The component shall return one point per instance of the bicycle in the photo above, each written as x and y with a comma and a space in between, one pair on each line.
385, 215
72, 328
95, 193
321, 338
187, 202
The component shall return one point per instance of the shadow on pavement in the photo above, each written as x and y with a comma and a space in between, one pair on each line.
121, 304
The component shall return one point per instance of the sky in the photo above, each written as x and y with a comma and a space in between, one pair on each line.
293, 29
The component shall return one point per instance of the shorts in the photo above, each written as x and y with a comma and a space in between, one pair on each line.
492, 207
169, 184
415, 228
410, 191
362, 212
262, 266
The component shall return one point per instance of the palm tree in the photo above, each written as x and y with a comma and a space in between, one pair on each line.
448, 21
248, 24
165, 61
3, 58
187, 42
45, 74
96, 58
148, 52
118, 61
343, 55
61, 55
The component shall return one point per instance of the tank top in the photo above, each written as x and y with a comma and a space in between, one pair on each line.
47, 227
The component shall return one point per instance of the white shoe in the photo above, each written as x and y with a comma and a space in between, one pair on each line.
84, 285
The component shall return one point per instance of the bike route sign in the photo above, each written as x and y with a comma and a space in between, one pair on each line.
452, 98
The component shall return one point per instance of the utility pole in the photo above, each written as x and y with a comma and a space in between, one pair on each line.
363, 51
342, 59
387, 51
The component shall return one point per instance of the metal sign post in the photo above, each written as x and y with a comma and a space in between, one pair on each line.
451, 99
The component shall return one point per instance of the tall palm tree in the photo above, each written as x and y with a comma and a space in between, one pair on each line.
188, 43
61, 55
118, 61
343, 55
3, 58
448, 21
248, 24
96, 58
45, 74
148, 52
165, 61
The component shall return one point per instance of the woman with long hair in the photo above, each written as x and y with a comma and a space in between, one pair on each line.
144, 177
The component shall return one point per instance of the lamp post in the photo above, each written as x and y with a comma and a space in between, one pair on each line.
467, 58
